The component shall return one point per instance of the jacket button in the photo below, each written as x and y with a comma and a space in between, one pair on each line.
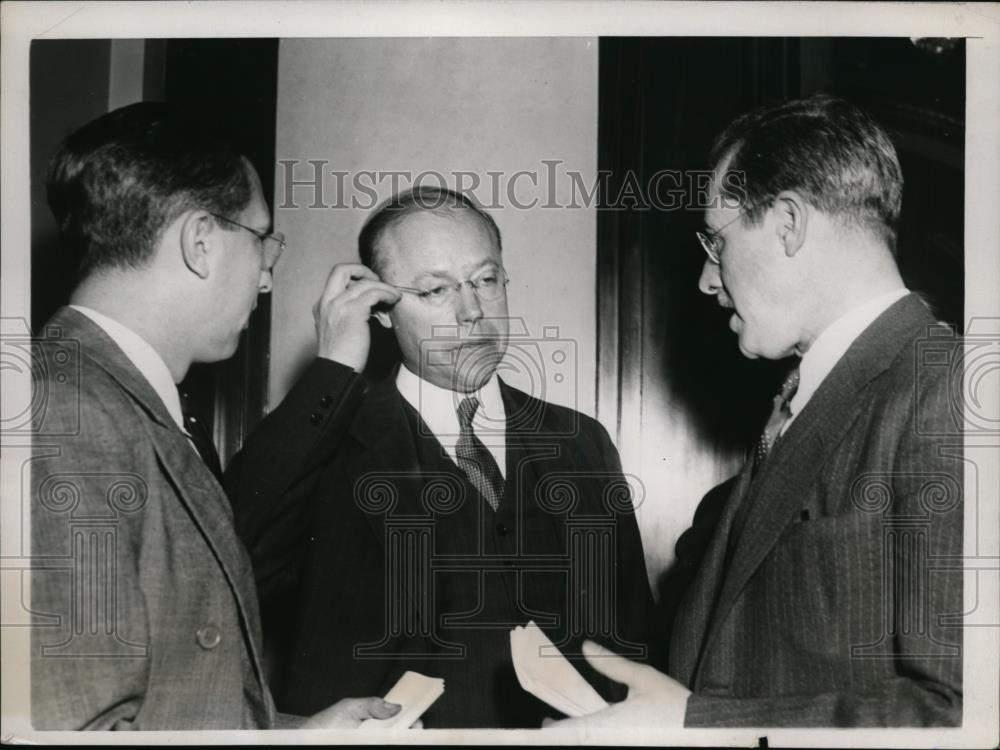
502, 529
208, 637
315, 418
325, 402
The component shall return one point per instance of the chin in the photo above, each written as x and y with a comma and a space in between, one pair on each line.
230, 348
475, 366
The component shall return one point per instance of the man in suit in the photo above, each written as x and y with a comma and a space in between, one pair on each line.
823, 596
145, 612
451, 507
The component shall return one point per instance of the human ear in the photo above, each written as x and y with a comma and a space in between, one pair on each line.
197, 241
792, 216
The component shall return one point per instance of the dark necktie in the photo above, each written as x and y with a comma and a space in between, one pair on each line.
474, 459
199, 435
780, 414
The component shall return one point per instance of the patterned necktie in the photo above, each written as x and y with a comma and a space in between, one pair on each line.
199, 435
780, 413
474, 459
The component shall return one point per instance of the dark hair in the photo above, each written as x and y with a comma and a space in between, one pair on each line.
118, 181
433, 199
837, 156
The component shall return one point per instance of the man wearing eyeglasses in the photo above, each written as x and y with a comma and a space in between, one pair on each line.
144, 606
823, 598
495, 483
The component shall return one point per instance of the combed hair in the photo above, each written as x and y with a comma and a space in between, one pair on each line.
435, 200
828, 149
117, 182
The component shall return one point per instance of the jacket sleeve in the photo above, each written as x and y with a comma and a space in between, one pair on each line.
270, 482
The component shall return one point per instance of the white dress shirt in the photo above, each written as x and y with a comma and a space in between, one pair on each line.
145, 358
438, 407
831, 344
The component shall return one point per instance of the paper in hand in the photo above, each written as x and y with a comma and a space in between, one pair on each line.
545, 673
415, 693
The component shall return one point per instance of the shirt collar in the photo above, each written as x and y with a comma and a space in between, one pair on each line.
145, 359
831, 344
438, 407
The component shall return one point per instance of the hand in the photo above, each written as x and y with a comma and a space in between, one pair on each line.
350, 712
654, 699
342, 313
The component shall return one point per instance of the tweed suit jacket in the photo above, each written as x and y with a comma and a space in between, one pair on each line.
319, 551
836, 605
145, 611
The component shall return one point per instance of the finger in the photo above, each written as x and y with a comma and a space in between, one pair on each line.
377, 296
638, 677
382, 709
369, 708
359, 289
341, 275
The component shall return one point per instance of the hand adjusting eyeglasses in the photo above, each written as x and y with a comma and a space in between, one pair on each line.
488, 287
274, 243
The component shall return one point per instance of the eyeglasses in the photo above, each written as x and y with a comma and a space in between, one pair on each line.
488, 288
712, 242
274, 244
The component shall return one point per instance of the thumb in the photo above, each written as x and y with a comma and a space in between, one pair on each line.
640, 678
377, 708
360, 709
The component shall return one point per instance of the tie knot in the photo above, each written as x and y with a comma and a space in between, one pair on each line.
790, 386
466, 410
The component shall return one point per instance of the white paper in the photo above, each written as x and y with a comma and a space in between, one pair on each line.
545, 673
415, 693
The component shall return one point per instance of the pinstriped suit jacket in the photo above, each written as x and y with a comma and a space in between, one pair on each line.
837, 606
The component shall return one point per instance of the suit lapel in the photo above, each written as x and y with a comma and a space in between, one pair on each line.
103, 351
388, 450
388, 453
532, 439
776, 493
790, 472
195, 485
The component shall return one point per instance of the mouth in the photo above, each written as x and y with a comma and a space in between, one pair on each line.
476, 343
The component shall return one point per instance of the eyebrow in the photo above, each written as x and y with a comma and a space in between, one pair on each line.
448, 277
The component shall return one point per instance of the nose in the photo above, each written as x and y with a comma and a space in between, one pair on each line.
468, 308
266, 282
710, 281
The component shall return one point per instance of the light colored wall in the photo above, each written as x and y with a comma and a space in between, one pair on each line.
448, 105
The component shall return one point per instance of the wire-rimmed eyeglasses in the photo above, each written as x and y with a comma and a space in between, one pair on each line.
274, 243
488, 287
712, 242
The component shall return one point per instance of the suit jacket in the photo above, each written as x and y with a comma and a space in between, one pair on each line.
384, 558
145, 612
836, 606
